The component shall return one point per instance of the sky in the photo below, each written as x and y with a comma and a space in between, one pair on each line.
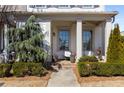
120, 17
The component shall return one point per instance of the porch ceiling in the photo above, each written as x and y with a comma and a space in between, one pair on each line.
93, 22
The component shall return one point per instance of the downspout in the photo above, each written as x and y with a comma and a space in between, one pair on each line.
113, 19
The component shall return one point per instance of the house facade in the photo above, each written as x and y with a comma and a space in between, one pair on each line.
81, 29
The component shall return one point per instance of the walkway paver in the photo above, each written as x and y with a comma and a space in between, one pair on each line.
65, 77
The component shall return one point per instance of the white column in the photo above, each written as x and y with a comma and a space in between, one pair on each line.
108, 27
73, 38
79, 39
5, 36
49, 37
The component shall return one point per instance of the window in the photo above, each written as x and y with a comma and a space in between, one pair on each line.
87, 40
20, 24
32, 6
1, 6
96, 6
49, 6
72, 6
41, 6
85, 6
38, 6
62, 6
64, 39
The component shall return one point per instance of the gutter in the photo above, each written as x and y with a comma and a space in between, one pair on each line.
113, 17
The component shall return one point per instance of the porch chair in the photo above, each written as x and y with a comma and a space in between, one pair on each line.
67, 55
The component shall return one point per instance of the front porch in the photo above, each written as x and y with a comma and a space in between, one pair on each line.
81, 33
79, 37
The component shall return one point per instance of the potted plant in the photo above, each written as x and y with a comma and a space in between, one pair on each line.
72, 57
99, 53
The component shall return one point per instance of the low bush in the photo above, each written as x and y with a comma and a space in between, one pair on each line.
88, 59
21, 69
101, 69
5, 70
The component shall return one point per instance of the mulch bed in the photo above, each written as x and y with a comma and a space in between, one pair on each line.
91, 79
27, 81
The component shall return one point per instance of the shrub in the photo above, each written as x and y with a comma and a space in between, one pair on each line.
88, 59
108, 69
21, 69
37, 69
104, 69
86, 71
100, 69
5, 70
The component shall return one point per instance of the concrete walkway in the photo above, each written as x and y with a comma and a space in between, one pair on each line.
65, 77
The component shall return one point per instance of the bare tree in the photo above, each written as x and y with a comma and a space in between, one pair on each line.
7, 14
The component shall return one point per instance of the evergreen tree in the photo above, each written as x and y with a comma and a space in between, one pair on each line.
109, 54
122, 49
27, 42
114, 47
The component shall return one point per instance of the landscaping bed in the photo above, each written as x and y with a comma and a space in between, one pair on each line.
100, 69
24, 74
21, 69
27, 81
98, 81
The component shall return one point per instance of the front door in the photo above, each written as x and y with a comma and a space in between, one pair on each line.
87, 42
63, 42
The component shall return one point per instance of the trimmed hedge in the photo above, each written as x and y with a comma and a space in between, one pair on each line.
21, 69
5, 70
100, 69
88, 59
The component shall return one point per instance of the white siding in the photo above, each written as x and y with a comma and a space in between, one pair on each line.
55, 40
46, 27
